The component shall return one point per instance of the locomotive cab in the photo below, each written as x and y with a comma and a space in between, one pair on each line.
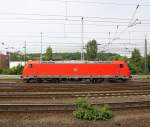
29, 71
123, 71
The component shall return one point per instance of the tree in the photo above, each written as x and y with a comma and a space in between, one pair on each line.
48, 54
118, 57
16, 56
136, 62
91, 50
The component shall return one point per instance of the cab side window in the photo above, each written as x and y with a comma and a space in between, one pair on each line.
30, 65
121, 65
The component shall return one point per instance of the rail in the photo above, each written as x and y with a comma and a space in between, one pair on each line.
68, 107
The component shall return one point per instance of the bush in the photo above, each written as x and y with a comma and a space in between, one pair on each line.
12, 71
83, 103
16, 70
88, 112
105, 112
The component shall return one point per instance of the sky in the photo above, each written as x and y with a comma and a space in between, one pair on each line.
116, 25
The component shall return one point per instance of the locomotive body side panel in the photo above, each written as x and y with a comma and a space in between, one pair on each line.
69, 70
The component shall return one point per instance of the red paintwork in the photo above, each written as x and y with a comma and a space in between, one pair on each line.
75, 70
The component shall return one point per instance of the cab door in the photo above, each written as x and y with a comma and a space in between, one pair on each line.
31, 70
121, 69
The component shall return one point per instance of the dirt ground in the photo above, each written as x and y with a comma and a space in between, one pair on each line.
52, 100
126, 118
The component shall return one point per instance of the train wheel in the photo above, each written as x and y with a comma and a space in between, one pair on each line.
124, 80
112, 80
93, 80
100, 80
39, 81
26, 80
56, 80
34, 80
50, 80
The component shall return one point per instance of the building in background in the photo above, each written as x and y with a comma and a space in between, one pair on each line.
16, 63
4, 61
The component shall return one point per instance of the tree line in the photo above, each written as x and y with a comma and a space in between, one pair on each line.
136, 62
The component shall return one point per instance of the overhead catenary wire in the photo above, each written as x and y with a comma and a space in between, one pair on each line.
129, 24
74, 43
130, 21
97, 21
99, 3
61, 32
65, 16
45, 23
68, 20
105, 38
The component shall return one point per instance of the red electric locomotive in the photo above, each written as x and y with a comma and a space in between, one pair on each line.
95, 71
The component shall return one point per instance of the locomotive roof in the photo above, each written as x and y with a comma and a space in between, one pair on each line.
74, 61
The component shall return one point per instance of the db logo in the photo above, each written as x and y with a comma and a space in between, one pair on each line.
75, 69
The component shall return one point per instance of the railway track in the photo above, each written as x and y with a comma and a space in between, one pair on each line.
72, 87
68, 107
12, 92
43, 95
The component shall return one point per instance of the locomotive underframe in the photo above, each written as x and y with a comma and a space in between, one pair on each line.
59, 78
